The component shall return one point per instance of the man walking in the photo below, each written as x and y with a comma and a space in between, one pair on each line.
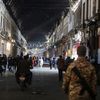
76, 90
60, 65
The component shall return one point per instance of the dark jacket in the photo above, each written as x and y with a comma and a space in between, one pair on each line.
23, 66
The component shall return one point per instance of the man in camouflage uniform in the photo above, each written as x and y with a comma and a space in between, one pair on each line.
71, 80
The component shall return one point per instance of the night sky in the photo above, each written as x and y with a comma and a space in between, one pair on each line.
36, 18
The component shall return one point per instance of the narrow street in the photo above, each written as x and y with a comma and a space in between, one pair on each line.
45, 86
47, 33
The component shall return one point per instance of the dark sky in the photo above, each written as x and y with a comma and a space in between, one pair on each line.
36, 18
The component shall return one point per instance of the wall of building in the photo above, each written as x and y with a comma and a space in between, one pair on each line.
90, 26
8, 32
78, 22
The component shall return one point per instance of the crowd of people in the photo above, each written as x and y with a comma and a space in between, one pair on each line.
79, 75
10, 63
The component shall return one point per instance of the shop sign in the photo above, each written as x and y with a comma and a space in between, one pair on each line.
74, 50
76, 45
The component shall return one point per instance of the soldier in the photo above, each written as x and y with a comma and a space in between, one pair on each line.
72, 81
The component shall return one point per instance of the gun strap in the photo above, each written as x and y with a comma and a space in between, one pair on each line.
84, 82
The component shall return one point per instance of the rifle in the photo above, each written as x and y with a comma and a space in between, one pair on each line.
84, 84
